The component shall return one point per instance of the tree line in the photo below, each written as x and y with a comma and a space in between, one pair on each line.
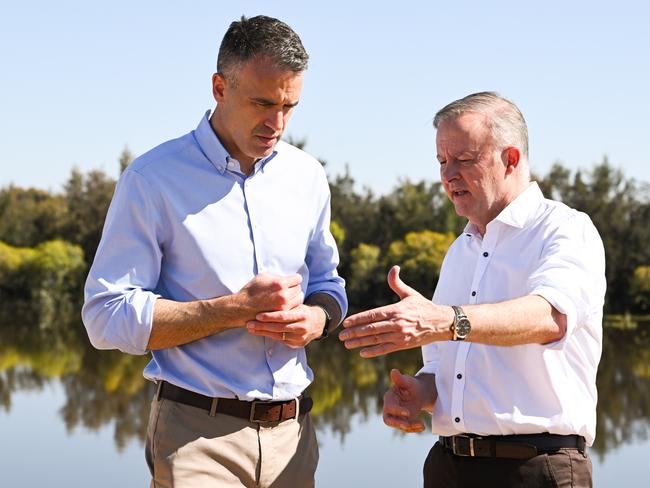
48, 239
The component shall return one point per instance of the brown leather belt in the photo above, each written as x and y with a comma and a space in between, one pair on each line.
255, 411
523, 446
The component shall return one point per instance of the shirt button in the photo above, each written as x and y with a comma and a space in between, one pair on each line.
457, 419
473, 293
459, 376
485, 254
270, 352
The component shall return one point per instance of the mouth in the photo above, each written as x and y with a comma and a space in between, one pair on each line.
267, 141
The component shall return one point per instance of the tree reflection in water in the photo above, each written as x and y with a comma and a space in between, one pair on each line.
106, 386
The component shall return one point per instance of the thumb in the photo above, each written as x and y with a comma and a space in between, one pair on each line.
398, 378
397, 285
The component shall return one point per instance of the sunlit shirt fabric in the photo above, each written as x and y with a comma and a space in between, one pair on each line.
535, 246
186, 224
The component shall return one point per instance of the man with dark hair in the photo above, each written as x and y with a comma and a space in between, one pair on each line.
217, 258
512, 337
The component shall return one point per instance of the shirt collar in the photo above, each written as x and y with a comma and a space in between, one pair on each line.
214, 150
517, 213
523, 208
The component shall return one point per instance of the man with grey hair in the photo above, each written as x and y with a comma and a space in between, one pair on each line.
512, 337
217, 258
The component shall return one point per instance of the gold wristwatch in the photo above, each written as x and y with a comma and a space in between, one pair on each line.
461, 326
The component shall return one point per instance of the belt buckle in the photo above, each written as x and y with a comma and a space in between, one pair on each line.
454, 445
254, 403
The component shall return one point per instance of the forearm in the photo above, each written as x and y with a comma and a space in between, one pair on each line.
177, 323
526, 320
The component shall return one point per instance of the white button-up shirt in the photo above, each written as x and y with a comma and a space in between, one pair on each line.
186, 224
539, 247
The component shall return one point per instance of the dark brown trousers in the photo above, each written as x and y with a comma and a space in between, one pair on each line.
563, 468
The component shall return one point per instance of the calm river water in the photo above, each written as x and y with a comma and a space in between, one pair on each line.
71, 416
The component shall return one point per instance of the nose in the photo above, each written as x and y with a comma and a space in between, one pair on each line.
275, 120
448, 171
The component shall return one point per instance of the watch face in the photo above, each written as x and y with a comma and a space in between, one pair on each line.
463, 328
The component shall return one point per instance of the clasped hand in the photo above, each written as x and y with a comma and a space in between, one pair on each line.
279, 311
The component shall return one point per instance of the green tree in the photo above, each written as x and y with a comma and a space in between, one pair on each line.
366, 277
338, 232
618, 207
641, 288
44, 279
30, 216
420, 256
126, 157
88, 197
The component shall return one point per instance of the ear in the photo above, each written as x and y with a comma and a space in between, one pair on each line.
218, 87
510, 157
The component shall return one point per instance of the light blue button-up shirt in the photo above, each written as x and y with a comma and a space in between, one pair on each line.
186, 224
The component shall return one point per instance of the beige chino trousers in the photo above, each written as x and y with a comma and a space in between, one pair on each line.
186, 448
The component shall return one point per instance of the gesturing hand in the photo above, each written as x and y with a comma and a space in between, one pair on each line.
403, 402
412, 322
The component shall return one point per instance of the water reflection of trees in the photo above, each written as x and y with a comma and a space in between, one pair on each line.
107, 387
623, 388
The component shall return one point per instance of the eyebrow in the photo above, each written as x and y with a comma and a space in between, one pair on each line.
266, 101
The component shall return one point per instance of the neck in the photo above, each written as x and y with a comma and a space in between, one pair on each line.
246, 163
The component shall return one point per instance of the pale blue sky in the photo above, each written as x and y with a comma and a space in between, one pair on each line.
80, 80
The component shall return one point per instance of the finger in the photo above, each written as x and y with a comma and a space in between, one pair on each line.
379, 350
275, 327
369, 316
400, 380
382, 327
371, 340
396, 377
281, 316
397, 285
291, 280
289, 339
296, 300
277, 336
396, 410
406, 425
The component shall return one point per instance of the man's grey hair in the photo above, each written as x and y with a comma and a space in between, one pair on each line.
260, 36
507, 123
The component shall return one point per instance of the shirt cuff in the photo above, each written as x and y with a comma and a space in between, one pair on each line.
330, 304
428, 368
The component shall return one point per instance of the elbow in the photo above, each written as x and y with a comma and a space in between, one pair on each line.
92, 321
557, 328
107, 328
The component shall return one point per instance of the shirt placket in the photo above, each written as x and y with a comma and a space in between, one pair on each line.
253, 209
485, 249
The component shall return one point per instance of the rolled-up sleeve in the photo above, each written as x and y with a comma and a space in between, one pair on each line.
571, 274
323, 258
119, 296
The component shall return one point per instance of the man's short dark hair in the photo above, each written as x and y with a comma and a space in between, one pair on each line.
261, 36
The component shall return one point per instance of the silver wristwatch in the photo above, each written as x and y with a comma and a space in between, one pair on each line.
461, 327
